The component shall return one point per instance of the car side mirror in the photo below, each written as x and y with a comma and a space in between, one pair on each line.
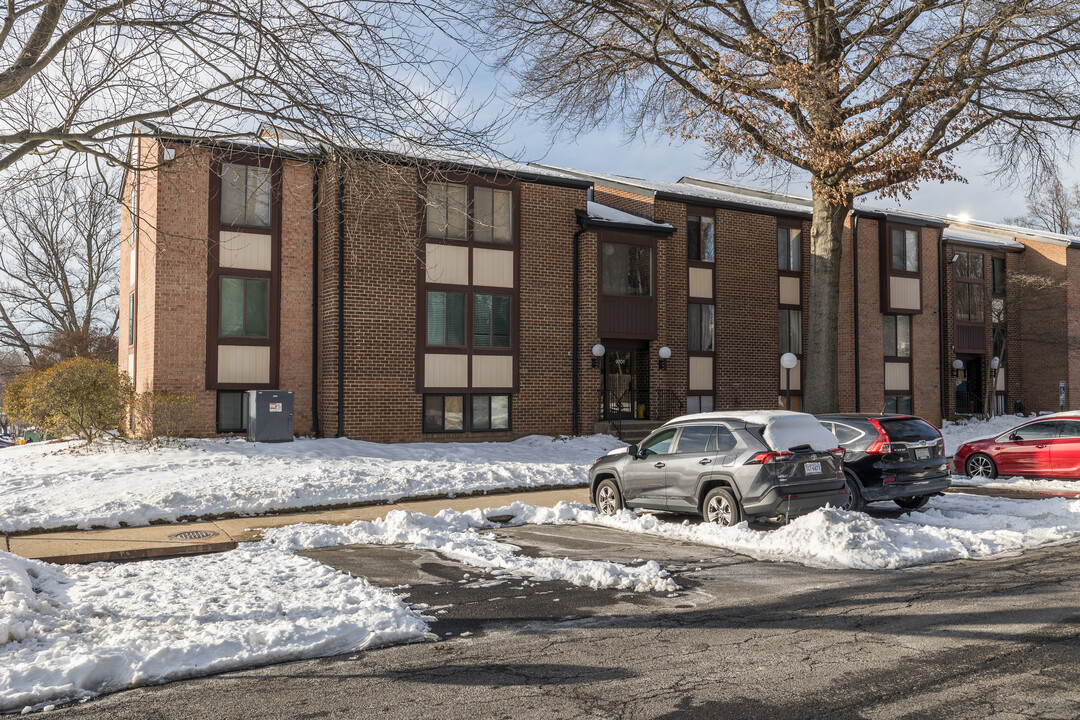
633, 451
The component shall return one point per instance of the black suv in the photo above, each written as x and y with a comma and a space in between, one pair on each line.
890, 457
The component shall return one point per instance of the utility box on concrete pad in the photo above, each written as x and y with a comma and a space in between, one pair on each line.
270, 415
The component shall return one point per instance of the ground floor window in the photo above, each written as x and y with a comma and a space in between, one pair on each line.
699, 403
796, 402
447, 413
232, 411
898, 404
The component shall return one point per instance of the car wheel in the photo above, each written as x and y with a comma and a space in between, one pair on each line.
855, 500
608, 498
980, 466
912, 503
721, 507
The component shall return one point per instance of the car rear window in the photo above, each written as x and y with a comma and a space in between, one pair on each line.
909, 429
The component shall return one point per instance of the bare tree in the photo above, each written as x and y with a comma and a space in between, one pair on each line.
59, 247
865, 96
77, 75
1052, 206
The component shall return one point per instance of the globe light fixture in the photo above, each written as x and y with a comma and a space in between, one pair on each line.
664, 353
598, 351
788, 361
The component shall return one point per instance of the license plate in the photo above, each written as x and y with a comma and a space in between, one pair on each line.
922, 453
812, 468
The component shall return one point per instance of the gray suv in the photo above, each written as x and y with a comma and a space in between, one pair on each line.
728, 467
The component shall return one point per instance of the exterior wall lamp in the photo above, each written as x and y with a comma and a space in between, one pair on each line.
957, 366
664, 353
598, 351
788, 361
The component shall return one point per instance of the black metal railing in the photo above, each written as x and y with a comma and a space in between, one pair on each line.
670, 405
968, 403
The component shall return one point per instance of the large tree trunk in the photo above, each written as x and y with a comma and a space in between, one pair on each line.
820, 385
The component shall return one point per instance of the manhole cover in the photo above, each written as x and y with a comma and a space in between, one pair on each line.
193, 535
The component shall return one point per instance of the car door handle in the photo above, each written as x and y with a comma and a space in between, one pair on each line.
704, 461
658, 465
1040, 446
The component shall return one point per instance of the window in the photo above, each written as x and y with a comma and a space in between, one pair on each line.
659, 444
1070, 429
905, 250
1039, 431
789, 249
696, 439
997, 310
492, 215
447, 211
245, 195
791, 331
490, 412
446, 318
969, 266
245, 307
131, 319
700, 238
846, 434
898, 404
232, 411
491, 321
997, 266
627, 270
897, 335
133, 208
699, 403
701, 330
444, 413
970, 302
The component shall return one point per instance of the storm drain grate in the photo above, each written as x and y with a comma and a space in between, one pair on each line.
193, 535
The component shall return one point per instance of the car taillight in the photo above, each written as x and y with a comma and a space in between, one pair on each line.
881, 445
838, 453
767, 457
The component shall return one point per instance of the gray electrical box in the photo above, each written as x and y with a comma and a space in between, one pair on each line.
270, 415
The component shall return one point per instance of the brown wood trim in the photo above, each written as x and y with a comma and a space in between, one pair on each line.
250, 229
215, 272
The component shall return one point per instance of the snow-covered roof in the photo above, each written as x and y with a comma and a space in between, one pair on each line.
1014, 231
975, 237
600, 214
693, 193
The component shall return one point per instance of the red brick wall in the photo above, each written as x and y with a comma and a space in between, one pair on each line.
925, 335
1044, 324
624, 200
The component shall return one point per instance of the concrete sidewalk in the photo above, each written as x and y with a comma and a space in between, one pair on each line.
173, 539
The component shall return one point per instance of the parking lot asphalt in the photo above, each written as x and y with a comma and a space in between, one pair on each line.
995, 638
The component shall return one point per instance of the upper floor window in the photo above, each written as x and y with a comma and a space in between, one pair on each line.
491, 321
970, 302
445, 318
700, 238
245, 307
245, 195
905, 250
789, 249
897, 333
791, 331
997, 266
701, 327
493, 215
448, 213
627, 270
969, 266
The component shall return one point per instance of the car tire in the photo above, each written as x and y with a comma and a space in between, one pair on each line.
608, 498
912, 503
855, 502
981, 465
721, 507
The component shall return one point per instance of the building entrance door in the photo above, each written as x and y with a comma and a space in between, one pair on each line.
969, 389
625, 382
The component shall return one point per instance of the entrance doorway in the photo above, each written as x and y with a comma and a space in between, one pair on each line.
969, 386
625, 381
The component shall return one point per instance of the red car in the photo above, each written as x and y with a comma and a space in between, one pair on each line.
1046, 447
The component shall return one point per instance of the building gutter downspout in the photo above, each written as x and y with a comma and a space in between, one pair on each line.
942, 279
583, 226
341, 300
855, 291
315, 299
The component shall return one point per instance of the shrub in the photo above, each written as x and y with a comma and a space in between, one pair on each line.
80, 396
163, 414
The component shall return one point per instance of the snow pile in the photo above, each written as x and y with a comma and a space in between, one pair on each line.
954, 527
1019, 483
43, 488
958, 432
457, 536
70, 632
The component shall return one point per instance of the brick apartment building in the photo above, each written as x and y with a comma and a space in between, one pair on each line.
480, 300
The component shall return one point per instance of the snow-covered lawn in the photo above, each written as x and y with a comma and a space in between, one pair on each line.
54, 485
961, 431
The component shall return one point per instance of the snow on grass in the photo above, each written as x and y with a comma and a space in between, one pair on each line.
458, 536
958, 432
1018, 482
46, 485
72, 632
953, 527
